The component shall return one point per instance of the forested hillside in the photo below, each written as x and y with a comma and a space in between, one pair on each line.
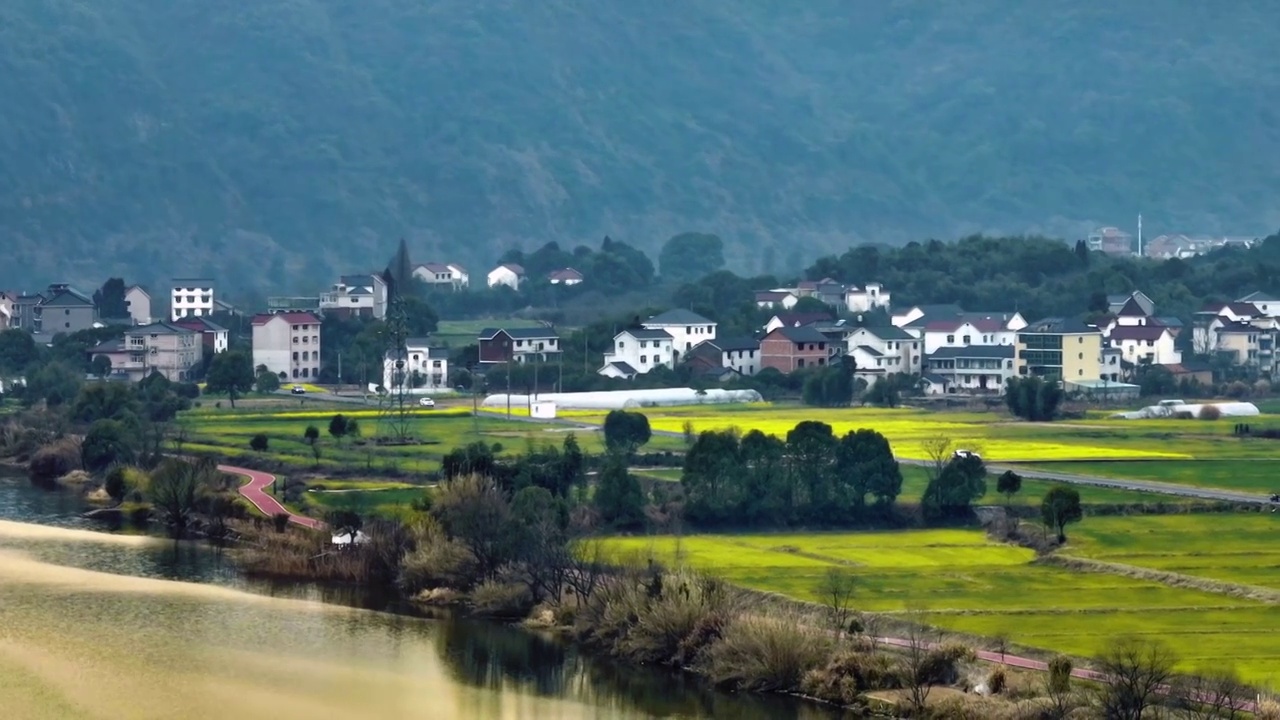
275, 142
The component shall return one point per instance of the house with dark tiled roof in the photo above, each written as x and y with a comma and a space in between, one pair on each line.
637, 351
883, 350
1065, 349
443, 275
519, 345
780, 299
564, 276
788, 349
166, 348
356, 295
508, 275
686, 328
1139, 344
975, 368
212, 335
1118, 302
287, 344
736, 355
791, 319
65, 309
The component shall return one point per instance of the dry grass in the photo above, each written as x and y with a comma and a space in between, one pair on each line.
1190, 582
501, 600
298, 554
766, 653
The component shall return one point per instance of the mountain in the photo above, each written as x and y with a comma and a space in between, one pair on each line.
275, 143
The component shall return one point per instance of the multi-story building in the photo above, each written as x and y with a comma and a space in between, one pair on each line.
287, 344
190, 297
1110, 240
65, 310
737, 355
138, 301
24, 311
506, 345
638, 351
212, 335
780, 299
508, 274
1059, 348
1139, 344
7, 309
976, 368
356, 295
881, 351
686, 328
866, 298
788, 349
174, 352
425, 367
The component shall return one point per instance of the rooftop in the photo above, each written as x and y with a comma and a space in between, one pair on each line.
736, 343
679, 316
293, 318
1059, 326
533, 333
646, 334
517, 269
199, 324
623, 368
800, 319
1138, 332
801, 334
986, 352
67, 296
888, 332
564, 274
870, 351
160, 328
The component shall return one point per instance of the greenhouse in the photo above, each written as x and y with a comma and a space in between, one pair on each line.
626, 399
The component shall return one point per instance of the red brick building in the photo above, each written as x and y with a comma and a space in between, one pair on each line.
787, 349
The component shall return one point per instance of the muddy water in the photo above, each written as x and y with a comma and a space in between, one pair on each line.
95, 625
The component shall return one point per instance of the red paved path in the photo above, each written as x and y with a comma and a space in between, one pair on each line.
255, 491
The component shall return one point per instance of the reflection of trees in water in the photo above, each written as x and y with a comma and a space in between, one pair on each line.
489, 655
494, 656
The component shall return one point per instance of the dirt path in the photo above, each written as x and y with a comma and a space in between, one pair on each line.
255, 491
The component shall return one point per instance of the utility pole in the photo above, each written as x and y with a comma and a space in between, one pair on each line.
1139, 234
509, 387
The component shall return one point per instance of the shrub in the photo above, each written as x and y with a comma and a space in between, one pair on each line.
1267, 710
849, 674
498, 599
280, 521
688, 612
55, 460
439, 563
766, 653
115, 483
76, 477
996, 681
258, 443
1210, 412
941, 664
140, 515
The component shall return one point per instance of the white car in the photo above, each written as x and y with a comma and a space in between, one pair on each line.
427, 402
962, 454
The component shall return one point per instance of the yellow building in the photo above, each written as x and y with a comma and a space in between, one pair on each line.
1061, 349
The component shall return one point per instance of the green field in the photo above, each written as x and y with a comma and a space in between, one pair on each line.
1233, 547
1258, 476
459, 333
969, 584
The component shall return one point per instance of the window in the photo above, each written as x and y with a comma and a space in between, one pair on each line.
304, 338
315, 339
951, 338
1080, 372
800, 362
295, 356
435, 363
688, 330
966, 339
644, 344
1080, 340
644, 359
304, 372
295, 341
1080, 356
621, 344
66, 312
415, 356
295, 372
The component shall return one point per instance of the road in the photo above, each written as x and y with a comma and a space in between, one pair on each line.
1150, 486
255, 491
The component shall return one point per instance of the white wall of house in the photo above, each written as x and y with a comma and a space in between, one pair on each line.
685, 337
190, 299
643, 354
786, 302
965, 335
139, 304
431, 364
503, 275
745, 362
1159, 352
895, 355
872, 295
288, 349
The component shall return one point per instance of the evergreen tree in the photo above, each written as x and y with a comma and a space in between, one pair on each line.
619, 498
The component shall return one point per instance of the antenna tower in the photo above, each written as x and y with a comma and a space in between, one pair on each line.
396, 405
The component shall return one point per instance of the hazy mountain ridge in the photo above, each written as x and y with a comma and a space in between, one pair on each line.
170, 136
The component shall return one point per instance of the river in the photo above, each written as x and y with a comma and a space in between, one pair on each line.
102, 625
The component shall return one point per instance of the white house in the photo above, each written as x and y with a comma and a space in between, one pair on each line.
212, 335
1266, 303
288, 344
1136, 303
964, 331
865, 298
777, 299
921, 315
1145, 343
139, 303
173, 351
879, 351
1209, 322
636, 352
981, 368
190, 297
509, 274
795, 320
425, 367
564, 276
685, 327
352, 295
448, 275
739, 355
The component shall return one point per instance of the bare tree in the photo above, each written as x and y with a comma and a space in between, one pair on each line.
913, 666
938, 449
1211, 694
835, 588
585, 570
1000, 644
1135, 671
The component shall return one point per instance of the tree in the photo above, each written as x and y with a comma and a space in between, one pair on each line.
836, 588
539, 520
1212, 693
475, 512
712, 467
689, 256
266, 382
1060, 507
951, 494
618, 497
107, 443
625, 432
1033, 398
17, 351
57, 383
344, 522
811, 451
312, 437
1058, 688
883, 393
938, 449
1008, 484
175, 491
101, 365
913, 663
1134, 671
231, 372
338, 426
110, 299
258, 442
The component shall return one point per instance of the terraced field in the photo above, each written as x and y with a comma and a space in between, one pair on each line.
1259, 474
969, 584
